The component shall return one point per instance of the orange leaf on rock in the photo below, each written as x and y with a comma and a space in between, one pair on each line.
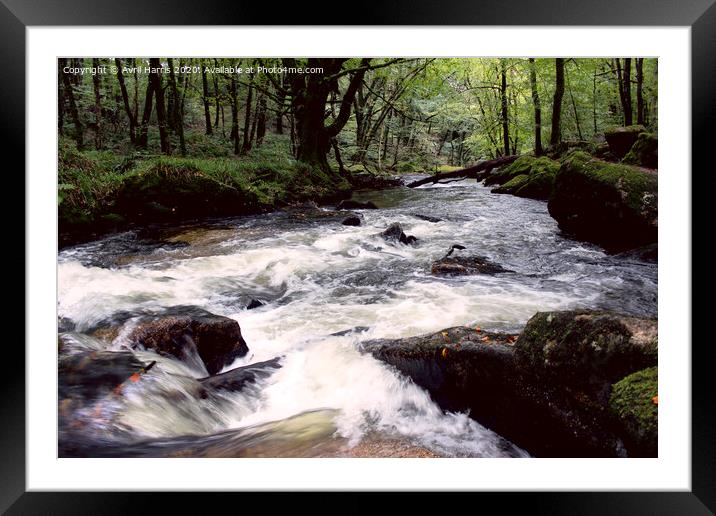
444, 352
655, 400
134, 378
485, 338
478, 329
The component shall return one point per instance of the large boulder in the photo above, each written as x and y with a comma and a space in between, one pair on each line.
521, 166
187, 333
644, 152
537, 180
465, 265
586, 350
621, 139
557, 406
609, 204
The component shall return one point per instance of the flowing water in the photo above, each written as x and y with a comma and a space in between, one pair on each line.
317, 278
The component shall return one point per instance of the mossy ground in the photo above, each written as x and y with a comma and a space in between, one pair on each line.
91, 182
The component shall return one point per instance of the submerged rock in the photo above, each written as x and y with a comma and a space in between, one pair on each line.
352, 220
236, 379
426, 218
621, 139
187, 332
464, 265
606, 203
548, 390
356, 205
254, 303
356, 329
395, 233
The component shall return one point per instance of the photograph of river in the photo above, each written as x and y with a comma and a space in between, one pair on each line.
357, 257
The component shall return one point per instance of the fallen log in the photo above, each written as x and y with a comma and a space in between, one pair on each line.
467, 173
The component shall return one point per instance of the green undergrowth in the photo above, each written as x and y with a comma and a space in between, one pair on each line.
92, 184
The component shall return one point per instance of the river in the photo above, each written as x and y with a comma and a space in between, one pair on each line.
317, 278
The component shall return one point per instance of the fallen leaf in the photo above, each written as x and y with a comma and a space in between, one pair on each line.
134, 378
444, 352
478, 329
655, 400
485, 338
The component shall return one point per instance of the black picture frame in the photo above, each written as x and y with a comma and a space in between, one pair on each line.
700, 15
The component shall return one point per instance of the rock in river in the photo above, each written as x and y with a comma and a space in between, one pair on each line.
351, 220
395, 233
548, 390
187, 331
236, 379
464, 265
609, 204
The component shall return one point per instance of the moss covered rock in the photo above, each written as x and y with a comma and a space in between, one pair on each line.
634, 403
610, 204
644, 152
536, 181
521, 165
586, 350
621, 139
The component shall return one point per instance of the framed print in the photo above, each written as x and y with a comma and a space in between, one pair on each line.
417, 253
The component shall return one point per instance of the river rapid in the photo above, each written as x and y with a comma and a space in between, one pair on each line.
318, 277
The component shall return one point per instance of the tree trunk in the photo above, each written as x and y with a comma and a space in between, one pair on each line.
639, 91
537, 108
216, 95
205, 98
628, 117
96, 85
261, 121
67, 88
556, 135
146, 115
234, 135
503, 113
574, 108
125, 98
178, 115
156, 79
246, 147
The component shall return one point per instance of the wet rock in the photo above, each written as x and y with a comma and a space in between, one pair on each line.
236, 379
65, 324
187, 332
586, 350
352, 220
609, 204
395, 233
427, 218
255, 303
356, 205
87, 376
356, 329
648, 253
621, 139
547, 391
464, 265
634, 402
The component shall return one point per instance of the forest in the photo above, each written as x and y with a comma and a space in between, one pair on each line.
380, 116
358, 257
